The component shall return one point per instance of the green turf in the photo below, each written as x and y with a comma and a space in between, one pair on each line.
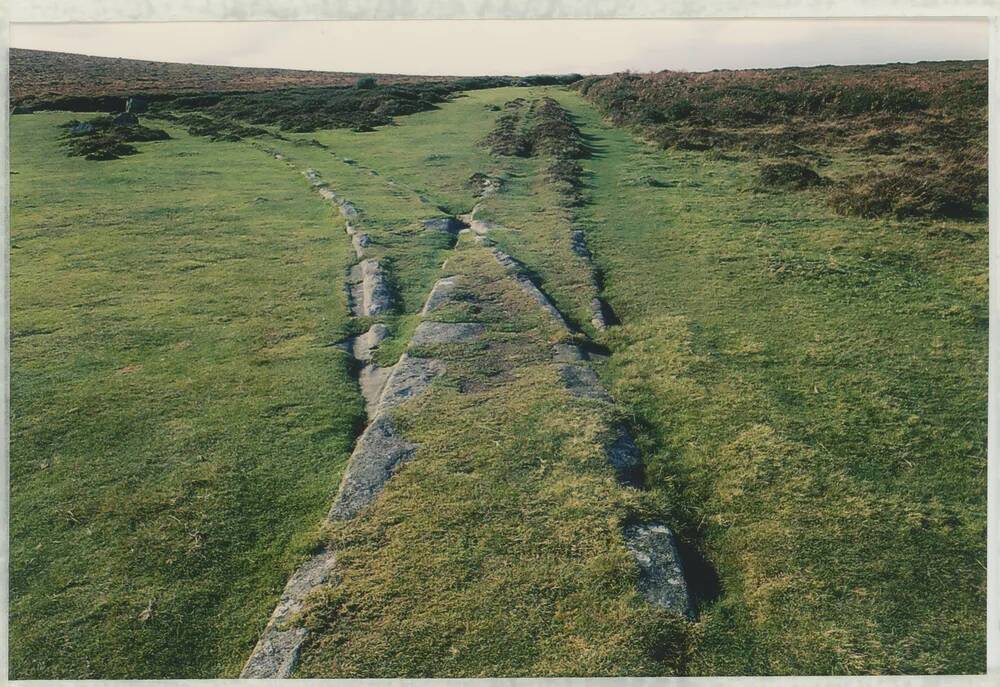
433, 154
180, 419
497, 551
808, 390
815, 389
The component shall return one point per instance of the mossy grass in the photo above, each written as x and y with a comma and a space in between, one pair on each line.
497, 550
808, 391
813, 387
180, 419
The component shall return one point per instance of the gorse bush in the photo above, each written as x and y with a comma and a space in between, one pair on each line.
507, 137
947, 191
935, 112
326, 108
774, 95
214, 128
365, 105
542, 128
552, 131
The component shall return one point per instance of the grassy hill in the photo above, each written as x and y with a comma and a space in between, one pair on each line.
806, 384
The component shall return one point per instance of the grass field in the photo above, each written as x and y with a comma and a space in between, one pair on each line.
813, 390
180, 419
808, 391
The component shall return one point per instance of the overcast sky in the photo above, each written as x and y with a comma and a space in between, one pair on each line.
520, 47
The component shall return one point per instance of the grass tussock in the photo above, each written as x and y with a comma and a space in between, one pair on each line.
945, 192
543, 128
101, 139
214, 129
787, 175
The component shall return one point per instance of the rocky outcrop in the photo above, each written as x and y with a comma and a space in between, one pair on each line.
581, 381
436, 333
408, 379
624, 457
661, 575
368, 289
443, 292
598, 309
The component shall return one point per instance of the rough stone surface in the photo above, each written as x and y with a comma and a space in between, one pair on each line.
371, 381
348, 210
661, 575
277, 651
355, 292
443, 292
578, 241
447, 225
528, 286
568, 353
378, 454
364, 344
360, 241
597, 314
409, 378
371, 377
482, 227
376, 298
434, 333
582, 382
624, 457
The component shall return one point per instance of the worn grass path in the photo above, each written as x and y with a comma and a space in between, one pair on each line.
498, 545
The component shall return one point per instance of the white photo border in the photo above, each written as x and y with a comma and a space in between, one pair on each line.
99, 11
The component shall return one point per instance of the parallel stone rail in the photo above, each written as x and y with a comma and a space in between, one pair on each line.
381, 450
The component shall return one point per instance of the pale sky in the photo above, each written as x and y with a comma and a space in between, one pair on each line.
521, 47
